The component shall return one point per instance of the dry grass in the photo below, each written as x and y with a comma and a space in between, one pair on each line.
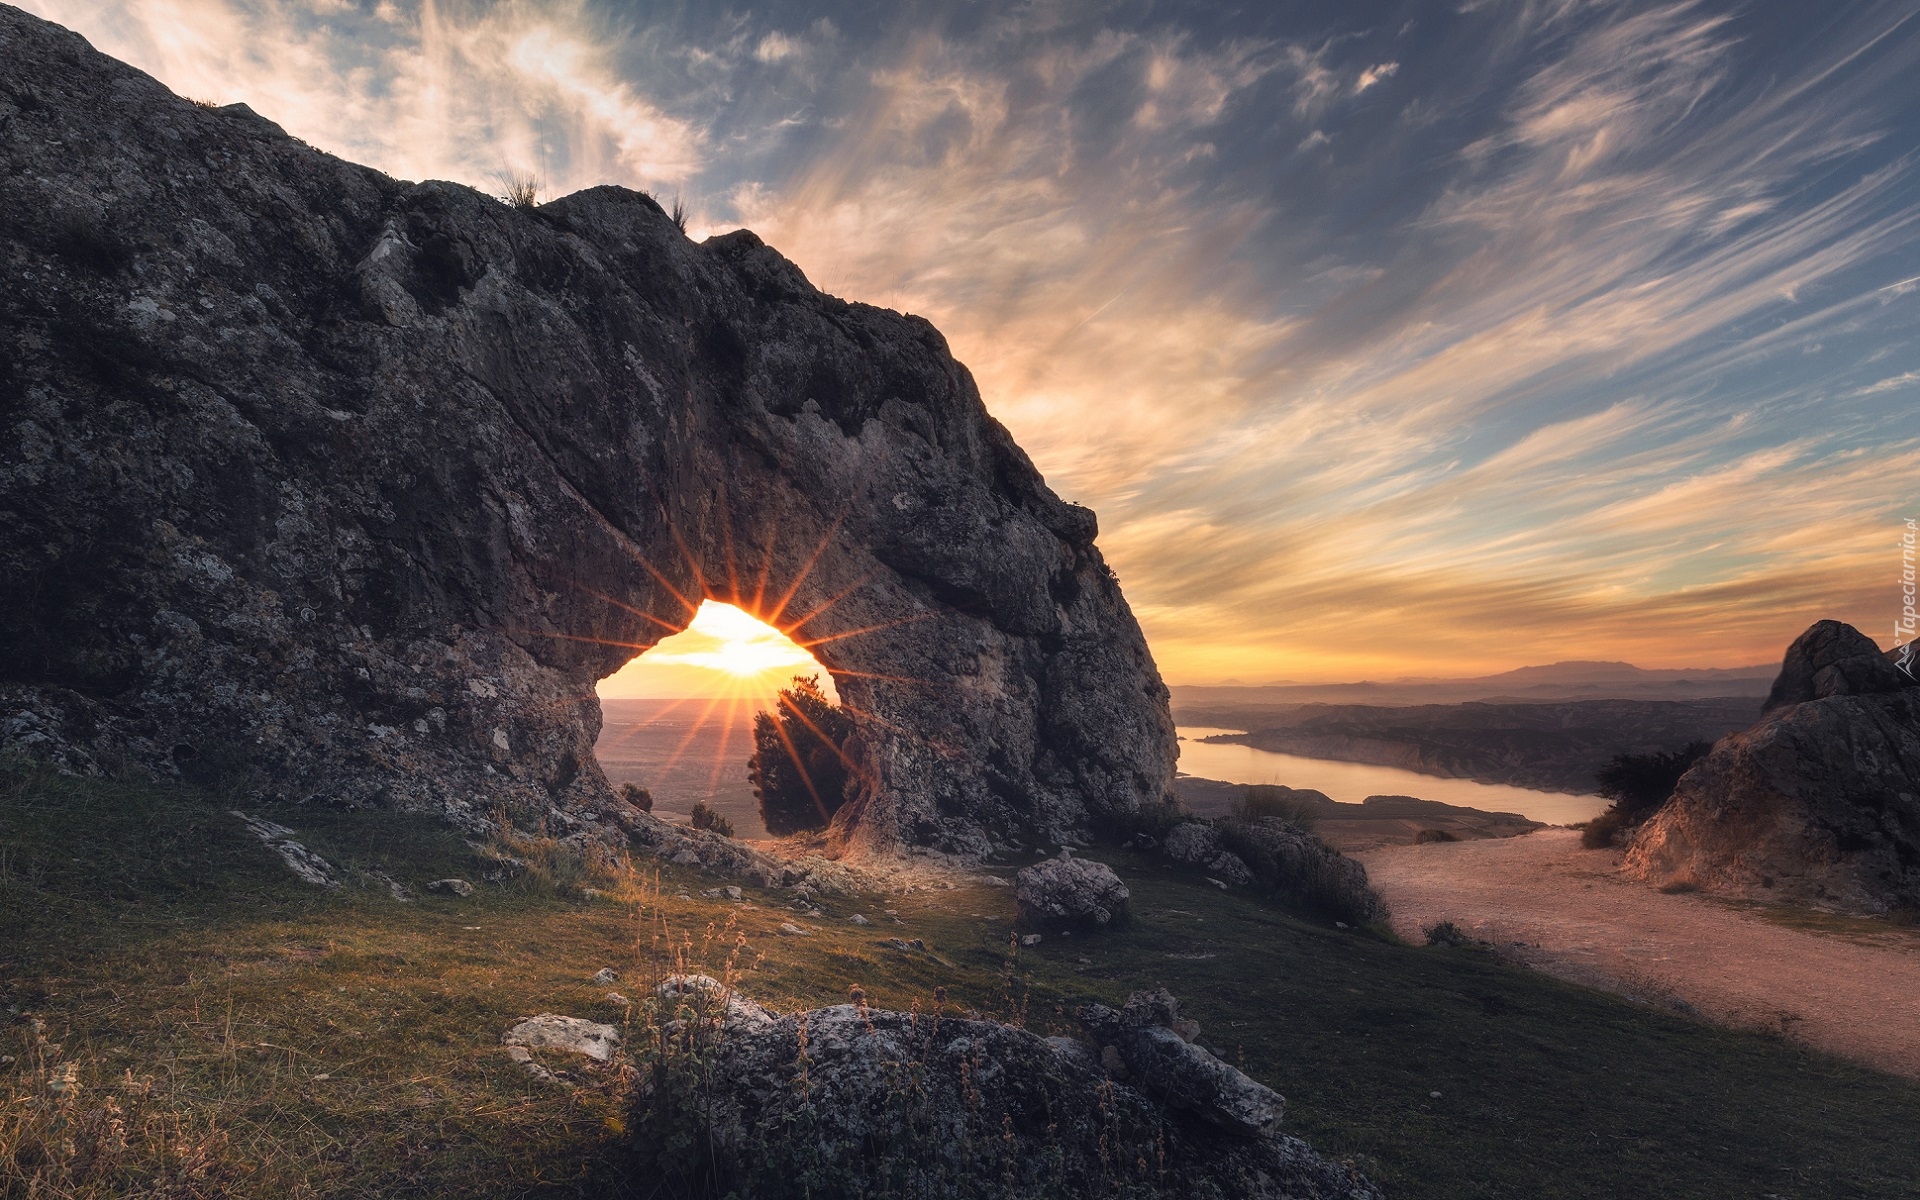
519, 189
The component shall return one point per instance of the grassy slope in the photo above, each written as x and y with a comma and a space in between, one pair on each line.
160, 943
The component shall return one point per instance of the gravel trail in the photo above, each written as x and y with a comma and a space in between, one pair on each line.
1849, 987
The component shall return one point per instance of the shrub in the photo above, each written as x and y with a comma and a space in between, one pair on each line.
518, 189
799, 769
637, 796
708, 819
1446, 933
1300, 809
1638, 784
679, 214
1428, 836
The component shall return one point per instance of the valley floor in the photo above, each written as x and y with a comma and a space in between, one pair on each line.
1848, 986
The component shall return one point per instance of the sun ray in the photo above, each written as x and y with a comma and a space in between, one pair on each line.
806, 568
693, 731
835, 637
793, 756
856, 585
851, 766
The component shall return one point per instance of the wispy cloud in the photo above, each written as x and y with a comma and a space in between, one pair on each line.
1535, 329
443, 89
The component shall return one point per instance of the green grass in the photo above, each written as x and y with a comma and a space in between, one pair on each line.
198, 989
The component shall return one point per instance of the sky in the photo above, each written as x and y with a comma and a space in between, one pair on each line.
1386, 339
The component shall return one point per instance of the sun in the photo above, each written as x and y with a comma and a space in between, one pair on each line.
723, 651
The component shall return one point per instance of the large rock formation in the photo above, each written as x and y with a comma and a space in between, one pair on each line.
1820, 801
350, 488
857, 1101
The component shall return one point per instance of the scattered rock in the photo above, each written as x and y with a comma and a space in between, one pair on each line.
570, 1034
617, 998
989, 1102
1074, 890
698, 997
300, 860
1029, 939
732, 892
451, 887
905, 944
605, 975
789, 929
394, 887
857, 919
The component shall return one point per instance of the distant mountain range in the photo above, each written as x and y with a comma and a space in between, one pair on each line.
1574, 680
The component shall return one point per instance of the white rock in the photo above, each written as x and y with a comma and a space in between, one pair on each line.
571, 1034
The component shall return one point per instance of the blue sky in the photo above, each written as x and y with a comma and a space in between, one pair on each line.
1385, 339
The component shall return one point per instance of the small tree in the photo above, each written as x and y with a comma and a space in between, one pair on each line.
637, 796
798, 770
1638, 784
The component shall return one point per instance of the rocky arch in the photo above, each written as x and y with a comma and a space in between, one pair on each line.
351, 489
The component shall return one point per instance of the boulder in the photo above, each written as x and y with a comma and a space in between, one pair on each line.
1817, 803
1073, 891
322, 485
1833, 659
851, 1100
1157, 1048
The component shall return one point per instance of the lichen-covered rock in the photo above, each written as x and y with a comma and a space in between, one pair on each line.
849, 1101
574, 1035
1819, 802
1192, 842
1072, 891
347, 489
1161, 1060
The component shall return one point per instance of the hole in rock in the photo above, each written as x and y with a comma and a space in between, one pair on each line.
678, 720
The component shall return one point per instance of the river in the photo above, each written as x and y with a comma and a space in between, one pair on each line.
1351, 783
690, 750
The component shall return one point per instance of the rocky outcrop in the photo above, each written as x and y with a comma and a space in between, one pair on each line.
342, 488
851, 1100
1156, 1052
1198, 844
1070, 891
1833, 659
1819, 802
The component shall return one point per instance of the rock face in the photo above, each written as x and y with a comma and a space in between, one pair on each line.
348, 488
1818, 802
1070, 891
856, 1101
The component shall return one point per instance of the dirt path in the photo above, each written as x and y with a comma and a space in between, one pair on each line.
1850, 987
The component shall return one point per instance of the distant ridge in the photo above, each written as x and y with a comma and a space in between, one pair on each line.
1575, 679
